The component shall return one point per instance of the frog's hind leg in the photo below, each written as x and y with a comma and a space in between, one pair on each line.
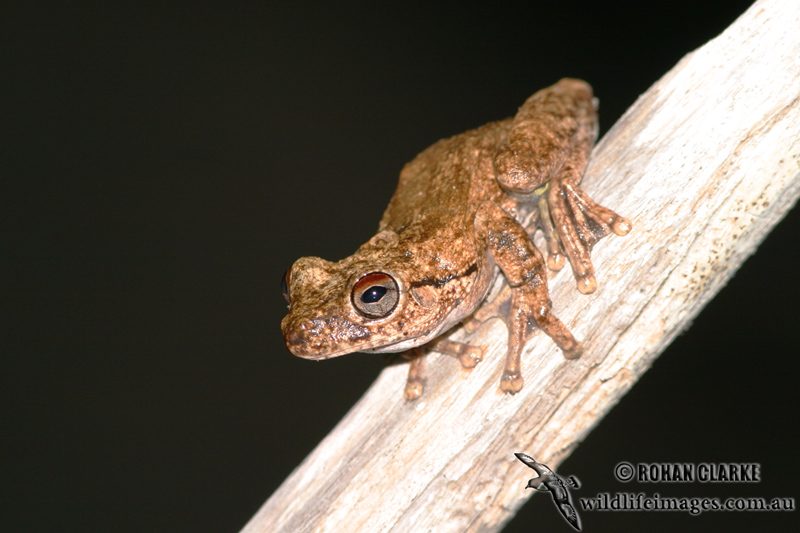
571, 219
542, 135
546, 152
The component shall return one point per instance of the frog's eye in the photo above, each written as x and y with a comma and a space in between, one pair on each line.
375, 295
285, 285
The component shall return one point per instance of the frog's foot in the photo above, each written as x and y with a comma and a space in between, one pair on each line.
471, 324
498, 307
468, 355
413, 389
415, 382
572, 224
511, 382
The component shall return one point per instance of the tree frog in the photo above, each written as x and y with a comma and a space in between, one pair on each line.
454, 224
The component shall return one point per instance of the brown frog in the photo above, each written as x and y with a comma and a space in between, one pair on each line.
454, 223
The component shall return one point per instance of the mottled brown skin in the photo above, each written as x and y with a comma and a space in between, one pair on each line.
452, 225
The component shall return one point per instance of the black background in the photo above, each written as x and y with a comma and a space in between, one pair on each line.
164, 164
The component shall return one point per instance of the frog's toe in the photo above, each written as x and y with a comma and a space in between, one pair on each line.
586, 284
511, 382
555, 261
621, 226
555, 252
498, 307
471, 356
472, 324
413, 389
467, 354
573, 352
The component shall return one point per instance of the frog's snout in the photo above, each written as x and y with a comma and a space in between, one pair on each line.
322, 337
307, 338
297, 342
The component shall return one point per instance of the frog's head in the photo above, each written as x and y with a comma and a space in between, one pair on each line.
363, 303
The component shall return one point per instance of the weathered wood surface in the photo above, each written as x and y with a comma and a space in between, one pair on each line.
704, 164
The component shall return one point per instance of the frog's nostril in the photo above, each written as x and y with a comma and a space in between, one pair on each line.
292, 338
301, 345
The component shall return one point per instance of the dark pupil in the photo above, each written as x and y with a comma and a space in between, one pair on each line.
373, 294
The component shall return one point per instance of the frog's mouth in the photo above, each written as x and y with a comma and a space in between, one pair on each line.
317, 348
400, 346
323, 338
318, 339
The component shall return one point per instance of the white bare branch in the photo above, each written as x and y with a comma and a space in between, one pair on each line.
704, 164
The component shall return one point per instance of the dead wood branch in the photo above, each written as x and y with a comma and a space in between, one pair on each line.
704, 164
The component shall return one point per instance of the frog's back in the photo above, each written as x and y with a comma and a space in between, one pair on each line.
447, 182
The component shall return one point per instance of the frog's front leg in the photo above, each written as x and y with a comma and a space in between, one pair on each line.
415, 381
467, 354
524, 268
546, 152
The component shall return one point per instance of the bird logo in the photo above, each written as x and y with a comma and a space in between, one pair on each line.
547, 480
